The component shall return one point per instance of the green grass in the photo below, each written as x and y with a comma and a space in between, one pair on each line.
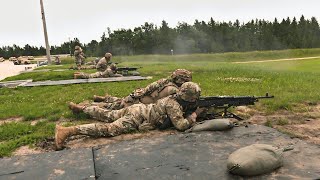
292, 82
14, 135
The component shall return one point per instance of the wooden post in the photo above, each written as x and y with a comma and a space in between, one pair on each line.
45, 33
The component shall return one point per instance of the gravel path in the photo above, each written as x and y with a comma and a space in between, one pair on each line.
7, 69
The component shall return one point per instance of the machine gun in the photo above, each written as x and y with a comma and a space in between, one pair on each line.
109, 63
225, 102
125, 70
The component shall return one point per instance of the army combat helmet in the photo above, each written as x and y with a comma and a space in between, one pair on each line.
181, 76
189, 91
108, 56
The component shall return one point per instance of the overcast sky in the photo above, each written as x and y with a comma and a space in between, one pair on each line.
87, 19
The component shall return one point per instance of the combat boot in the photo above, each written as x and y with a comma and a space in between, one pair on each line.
98, 98
75, 108
62, 133
76, 75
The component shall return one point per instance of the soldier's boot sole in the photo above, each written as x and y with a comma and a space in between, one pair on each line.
59, 137
98, 98
61, 134
75, 76
75, 108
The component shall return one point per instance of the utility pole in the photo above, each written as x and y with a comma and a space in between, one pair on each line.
70, 46
45, 33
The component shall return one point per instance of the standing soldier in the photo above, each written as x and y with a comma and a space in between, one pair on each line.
136, 117
150, 94
79, 57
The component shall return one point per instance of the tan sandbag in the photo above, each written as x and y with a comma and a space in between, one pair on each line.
255, 160
213, 125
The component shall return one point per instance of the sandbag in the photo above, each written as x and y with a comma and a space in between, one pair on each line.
255, 160
213, 125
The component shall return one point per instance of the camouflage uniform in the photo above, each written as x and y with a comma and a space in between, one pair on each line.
107, 73
136, 117
93, 62
151, 93
79, 56
102, 64
83, 67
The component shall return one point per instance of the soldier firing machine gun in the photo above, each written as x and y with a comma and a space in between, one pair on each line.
125, 70
225, 102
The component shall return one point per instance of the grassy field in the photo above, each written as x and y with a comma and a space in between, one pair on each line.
292, 82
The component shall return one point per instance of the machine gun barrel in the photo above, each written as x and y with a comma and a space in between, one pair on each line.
225, 102
127, 68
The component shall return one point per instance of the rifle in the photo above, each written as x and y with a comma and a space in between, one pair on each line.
125, 70
225, 102
109, 63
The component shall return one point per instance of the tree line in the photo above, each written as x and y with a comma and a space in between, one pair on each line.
200, 37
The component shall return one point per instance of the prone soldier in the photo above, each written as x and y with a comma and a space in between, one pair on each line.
109, 72
136, 117
150, 94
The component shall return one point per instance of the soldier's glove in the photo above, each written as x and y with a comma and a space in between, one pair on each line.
201, 111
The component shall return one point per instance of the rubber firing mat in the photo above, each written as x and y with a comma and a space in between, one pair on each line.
79, 81
201, 156
69, 164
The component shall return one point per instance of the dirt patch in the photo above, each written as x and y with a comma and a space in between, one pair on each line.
10, 120
19, 119
309, 131
304, 124
26, 150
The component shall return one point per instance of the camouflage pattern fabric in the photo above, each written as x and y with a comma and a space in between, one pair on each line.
102, 64
135, 117
181, 76
79, 57
93, 62
155, 86
83, 61
154, 91
189, 91
111, 99
117, 105
83, 67
107, 73
177, 78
